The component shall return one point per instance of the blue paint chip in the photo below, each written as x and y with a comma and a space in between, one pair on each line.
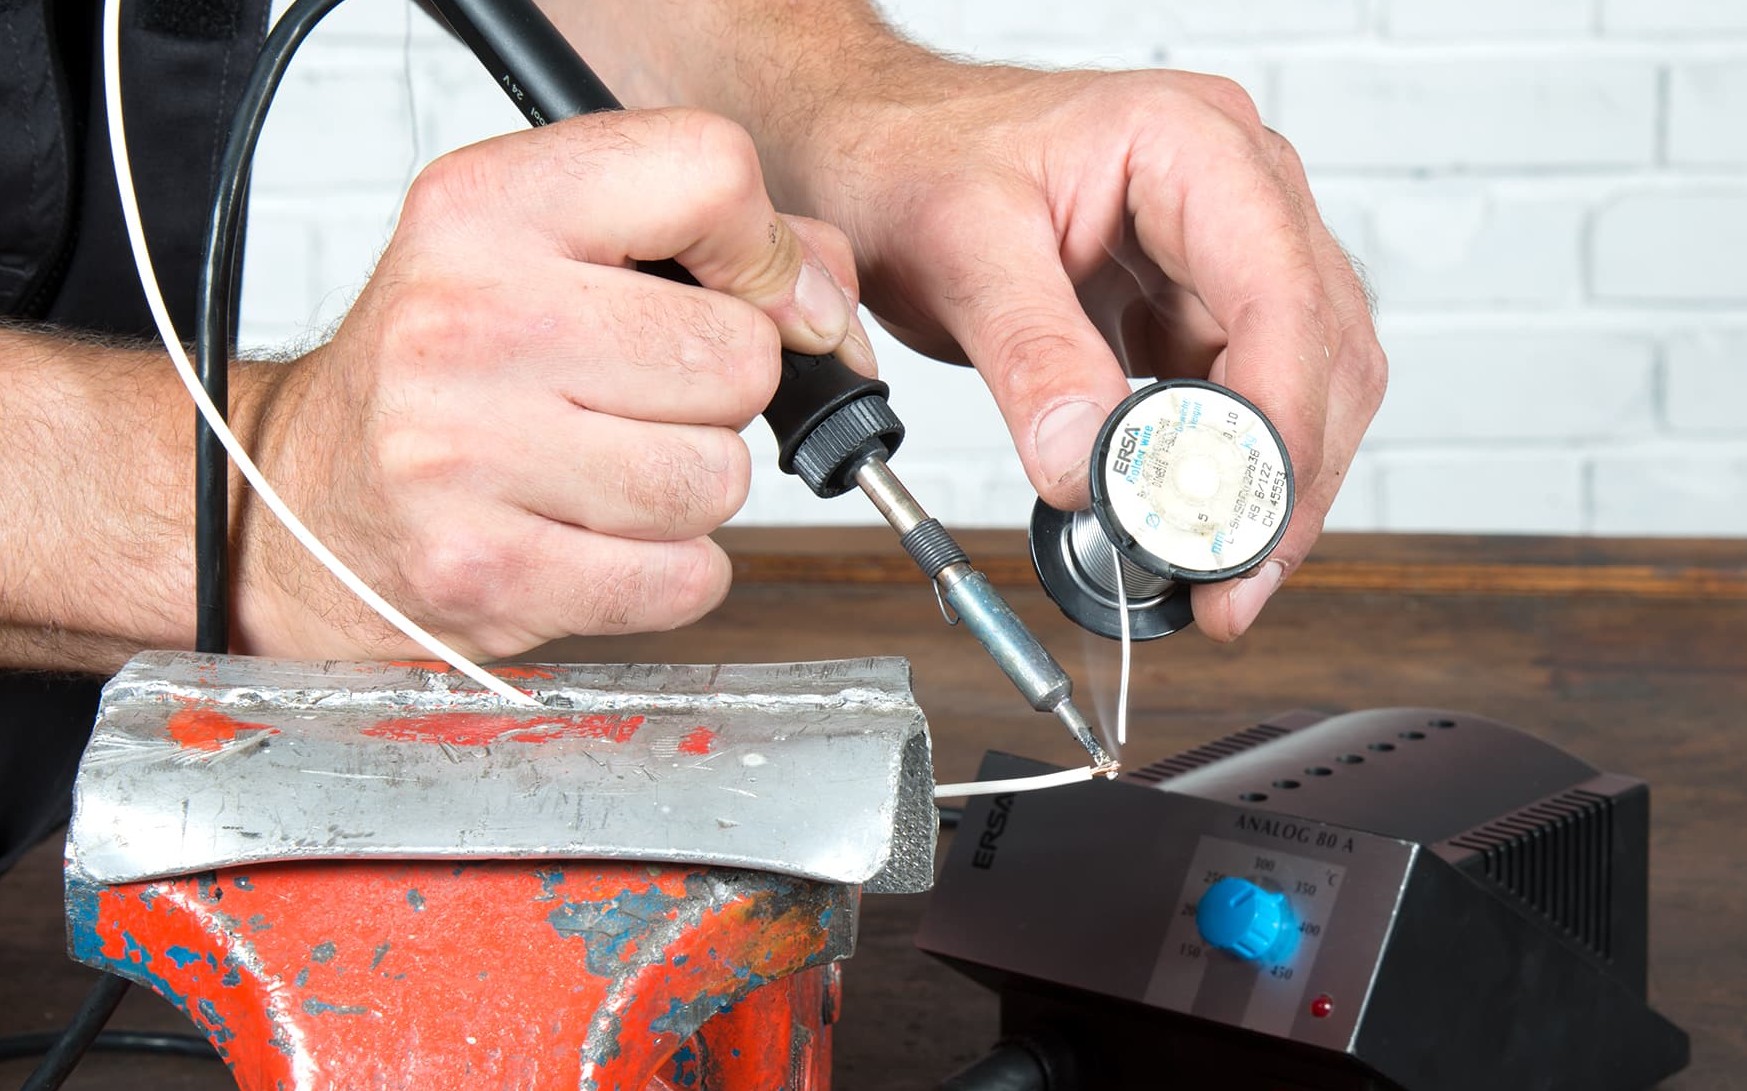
182, 956
415, 899
312, 1006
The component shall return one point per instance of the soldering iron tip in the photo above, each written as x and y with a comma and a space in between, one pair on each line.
1103, 763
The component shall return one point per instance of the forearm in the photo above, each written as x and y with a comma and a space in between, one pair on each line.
784, 69
96, 546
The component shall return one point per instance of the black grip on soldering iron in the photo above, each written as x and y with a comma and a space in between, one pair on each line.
829, 419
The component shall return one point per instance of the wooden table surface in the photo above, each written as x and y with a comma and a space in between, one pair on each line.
1630, 654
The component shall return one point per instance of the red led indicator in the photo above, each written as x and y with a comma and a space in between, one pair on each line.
1322, 1006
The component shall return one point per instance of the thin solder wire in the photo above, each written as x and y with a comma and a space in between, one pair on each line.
185, 370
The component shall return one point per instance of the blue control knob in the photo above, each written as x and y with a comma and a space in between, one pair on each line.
1238, 916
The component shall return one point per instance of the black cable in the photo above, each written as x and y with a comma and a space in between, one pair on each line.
950, 817
193, 1046
220, 264
64, 1055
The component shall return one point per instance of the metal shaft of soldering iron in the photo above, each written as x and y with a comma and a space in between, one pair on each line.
1020, 655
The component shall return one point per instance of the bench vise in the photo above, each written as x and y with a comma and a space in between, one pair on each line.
373, 876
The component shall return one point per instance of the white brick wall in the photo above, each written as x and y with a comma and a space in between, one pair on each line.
1550, 197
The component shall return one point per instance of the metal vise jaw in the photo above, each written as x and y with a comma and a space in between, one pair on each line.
374, 876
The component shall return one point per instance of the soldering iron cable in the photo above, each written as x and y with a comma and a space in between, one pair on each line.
209, 411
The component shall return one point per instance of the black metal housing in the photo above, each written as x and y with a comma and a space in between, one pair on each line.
1482, 923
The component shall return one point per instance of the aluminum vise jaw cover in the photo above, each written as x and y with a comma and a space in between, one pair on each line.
819, 770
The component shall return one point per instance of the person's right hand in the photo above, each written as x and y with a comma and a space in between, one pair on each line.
514, 436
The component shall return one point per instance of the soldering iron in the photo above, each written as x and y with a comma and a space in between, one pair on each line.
833, 426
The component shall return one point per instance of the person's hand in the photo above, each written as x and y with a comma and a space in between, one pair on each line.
514, 436
1054, 228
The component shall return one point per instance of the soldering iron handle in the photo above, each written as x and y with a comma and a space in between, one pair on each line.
529, 58
827, 417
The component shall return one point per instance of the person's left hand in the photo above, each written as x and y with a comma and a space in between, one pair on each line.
1059, 229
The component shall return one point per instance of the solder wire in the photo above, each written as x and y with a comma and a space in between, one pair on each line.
209, 411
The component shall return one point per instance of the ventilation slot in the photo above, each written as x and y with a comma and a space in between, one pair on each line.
1556, 856
1207, 754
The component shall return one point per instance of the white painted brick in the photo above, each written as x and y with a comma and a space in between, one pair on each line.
986, 23
1486, 18
931, 22
1348, 219
457, 104
1672, 246
1469, 112
1192, 20
1700, 491
344, 123
1707, 113
279, 275
1356, 506
1478, 387
1456, 242
1533, 492
1706, 383
363, 20
347, 245
1699, 17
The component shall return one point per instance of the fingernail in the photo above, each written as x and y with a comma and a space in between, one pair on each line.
821, 302
1064, 439
1250, 595
857, 351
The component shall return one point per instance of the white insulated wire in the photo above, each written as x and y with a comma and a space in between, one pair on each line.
1015, 784
161, 316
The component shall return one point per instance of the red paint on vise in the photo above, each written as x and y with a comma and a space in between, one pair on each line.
208, 729
485, 728
700, 740
349, 975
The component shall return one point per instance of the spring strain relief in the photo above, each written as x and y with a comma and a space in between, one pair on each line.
932, 548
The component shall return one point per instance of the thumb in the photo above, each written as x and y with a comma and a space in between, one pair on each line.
1008, 302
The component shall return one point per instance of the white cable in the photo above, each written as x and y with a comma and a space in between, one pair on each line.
1015, 784
167, 330
1127, 650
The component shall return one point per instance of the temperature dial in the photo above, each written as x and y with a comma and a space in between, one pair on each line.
1237, 916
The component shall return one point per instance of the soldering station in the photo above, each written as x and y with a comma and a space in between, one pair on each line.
1386, 900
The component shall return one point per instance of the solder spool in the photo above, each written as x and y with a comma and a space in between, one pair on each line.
1191, 483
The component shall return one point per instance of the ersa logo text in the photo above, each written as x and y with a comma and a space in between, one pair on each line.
1125, 447
993, 827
